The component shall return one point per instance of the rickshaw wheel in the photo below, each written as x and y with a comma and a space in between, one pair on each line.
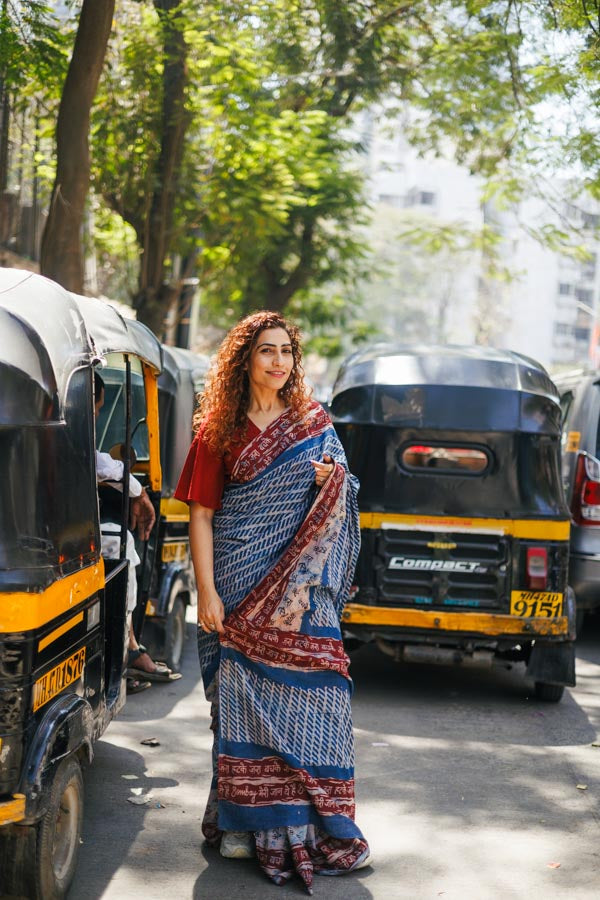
549, 693
175, 635
60, 831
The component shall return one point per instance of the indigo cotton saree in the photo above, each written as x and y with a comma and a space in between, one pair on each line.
284, 555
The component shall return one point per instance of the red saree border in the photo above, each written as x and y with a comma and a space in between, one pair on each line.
277, 437
262, 782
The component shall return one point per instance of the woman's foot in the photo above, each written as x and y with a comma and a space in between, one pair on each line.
238, 845
367, 861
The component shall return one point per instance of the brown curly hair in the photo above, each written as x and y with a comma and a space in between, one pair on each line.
225, 400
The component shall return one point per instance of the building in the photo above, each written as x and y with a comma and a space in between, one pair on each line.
549, 305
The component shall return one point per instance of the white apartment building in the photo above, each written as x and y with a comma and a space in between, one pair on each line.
550, 307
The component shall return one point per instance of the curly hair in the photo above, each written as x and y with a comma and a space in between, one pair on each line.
225, 400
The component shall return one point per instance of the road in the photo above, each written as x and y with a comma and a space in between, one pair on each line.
466, 788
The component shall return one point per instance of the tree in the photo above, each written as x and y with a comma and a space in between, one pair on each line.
223, 130
259, 176
61, 257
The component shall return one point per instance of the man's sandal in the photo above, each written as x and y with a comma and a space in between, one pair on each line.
161, 672
135, 686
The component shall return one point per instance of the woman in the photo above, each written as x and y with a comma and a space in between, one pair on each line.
274, 539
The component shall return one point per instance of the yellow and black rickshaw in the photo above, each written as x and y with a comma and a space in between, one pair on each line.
465, 529
173, 586
62, 607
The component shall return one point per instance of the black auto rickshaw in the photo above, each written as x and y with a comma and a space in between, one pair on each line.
173, 586
465, 530
62, 606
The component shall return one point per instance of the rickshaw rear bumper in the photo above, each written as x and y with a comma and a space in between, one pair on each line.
359, 617
12, 810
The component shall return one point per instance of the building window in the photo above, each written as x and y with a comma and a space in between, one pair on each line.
582, 334
562, 328
588, 268
585, 295
419, 198
590, 220
390, 199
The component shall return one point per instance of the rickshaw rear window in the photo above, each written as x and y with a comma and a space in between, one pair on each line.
442, 459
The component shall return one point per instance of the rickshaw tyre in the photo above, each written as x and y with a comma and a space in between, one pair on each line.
175, 635
54, 876
549, 693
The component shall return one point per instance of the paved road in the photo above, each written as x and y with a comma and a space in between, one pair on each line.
467, 789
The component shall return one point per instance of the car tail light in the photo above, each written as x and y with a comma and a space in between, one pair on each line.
537, 568
585, 506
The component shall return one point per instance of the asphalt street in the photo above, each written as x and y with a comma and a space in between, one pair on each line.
466, 788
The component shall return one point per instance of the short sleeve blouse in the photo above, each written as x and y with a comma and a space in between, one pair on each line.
205, 473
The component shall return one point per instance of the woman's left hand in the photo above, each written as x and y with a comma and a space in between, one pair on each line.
322, 469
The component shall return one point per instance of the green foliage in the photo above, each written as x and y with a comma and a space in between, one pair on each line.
33, 46
267, 191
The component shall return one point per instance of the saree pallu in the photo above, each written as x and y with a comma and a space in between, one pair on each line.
284, 556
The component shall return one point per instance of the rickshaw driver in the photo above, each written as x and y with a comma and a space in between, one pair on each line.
109, 472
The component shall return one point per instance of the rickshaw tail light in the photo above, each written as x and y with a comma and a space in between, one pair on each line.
537, 568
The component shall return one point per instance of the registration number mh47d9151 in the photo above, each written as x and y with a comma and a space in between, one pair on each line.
536, 603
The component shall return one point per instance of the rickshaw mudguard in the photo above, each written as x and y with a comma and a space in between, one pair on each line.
174, 572
66, 728
552, 662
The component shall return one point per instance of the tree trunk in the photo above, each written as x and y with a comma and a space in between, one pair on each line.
154, 297
62, 255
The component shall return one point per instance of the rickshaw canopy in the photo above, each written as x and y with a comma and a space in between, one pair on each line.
468, 388
43, 341
112, 333
181, 379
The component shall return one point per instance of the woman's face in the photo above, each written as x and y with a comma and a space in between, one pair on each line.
271, 360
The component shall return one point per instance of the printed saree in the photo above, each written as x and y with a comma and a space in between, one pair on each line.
284, 554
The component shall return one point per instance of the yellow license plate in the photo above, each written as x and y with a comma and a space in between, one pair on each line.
174, 552
54, 681
535, 603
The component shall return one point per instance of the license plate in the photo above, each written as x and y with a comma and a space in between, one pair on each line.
58, 678
535, 603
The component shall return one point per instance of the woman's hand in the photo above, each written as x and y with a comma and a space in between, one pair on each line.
211, 611
322, 469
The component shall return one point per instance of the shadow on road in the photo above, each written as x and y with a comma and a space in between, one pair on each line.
107, 808
244, 879
493, 705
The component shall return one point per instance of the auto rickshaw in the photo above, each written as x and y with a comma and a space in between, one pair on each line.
62, 606
173, 586
465, 529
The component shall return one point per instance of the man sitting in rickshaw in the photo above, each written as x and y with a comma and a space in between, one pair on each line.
141, 668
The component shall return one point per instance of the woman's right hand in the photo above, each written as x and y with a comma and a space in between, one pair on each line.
211, 612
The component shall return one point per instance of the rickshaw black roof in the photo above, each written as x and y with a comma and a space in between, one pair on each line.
484, 367
112, 333
46, 334
177, 360
43, 340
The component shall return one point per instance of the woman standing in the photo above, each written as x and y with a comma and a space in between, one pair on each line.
274, 538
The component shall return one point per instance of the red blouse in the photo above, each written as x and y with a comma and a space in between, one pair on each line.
204, 473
